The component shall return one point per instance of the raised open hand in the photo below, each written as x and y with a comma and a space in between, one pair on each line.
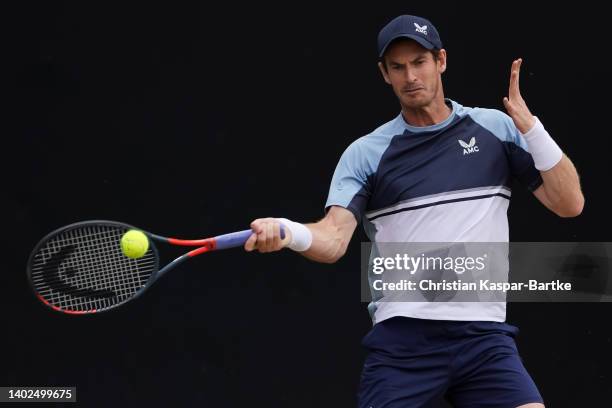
514, 102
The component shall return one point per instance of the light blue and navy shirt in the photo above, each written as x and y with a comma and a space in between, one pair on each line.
449, 182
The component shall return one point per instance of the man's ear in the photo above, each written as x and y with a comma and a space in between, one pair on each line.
442, 61
384, 72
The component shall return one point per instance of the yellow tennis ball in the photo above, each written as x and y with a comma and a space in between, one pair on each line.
134, 244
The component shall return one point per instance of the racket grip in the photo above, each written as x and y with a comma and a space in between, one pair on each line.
236, 239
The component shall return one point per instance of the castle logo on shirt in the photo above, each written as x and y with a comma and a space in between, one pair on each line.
469, 148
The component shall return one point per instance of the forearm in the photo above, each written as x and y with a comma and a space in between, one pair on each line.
328, 242
323, 241
560, 191
562, 188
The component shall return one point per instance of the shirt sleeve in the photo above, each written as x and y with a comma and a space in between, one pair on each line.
349, 186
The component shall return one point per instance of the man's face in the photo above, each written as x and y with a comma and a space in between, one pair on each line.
413, 73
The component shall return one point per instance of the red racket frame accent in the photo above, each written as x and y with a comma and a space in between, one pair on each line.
205, 245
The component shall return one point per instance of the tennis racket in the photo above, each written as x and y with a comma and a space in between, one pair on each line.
81, 269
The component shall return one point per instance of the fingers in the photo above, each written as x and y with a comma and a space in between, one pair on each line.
514, 99
515, 72
515, 104
266, 236
277, 239
269, 237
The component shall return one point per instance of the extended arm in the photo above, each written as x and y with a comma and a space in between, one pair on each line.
330, 236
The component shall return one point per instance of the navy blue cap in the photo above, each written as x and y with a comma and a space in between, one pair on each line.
417, 28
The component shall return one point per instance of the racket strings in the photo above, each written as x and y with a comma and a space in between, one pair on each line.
96, 283
84, 269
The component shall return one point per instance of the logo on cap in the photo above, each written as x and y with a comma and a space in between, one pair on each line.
416, 28
420, 29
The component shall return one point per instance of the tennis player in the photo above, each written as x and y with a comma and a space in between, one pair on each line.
438, 172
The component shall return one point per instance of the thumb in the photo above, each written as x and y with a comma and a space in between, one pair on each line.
249, 245
507, 103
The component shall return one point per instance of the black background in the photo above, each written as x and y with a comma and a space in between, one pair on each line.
191, 120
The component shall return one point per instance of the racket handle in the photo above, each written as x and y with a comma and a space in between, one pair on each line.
236, 239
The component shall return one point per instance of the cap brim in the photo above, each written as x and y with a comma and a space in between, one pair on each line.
423, 42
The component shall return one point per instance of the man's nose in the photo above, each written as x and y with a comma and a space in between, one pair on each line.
409, 75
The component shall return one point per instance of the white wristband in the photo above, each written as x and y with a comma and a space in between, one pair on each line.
545, 152
301, 237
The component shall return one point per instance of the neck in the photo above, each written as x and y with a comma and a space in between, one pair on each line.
428, 115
